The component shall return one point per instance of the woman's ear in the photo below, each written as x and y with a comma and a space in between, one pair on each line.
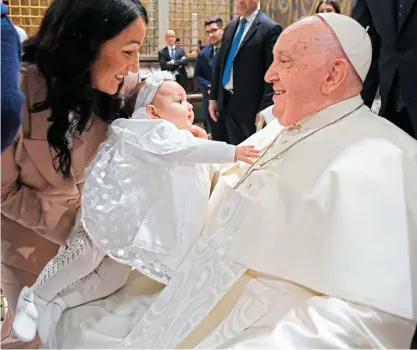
152, 111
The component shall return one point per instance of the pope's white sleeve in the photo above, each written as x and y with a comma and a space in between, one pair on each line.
331, 323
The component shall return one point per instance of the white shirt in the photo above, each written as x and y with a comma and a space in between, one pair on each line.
22, 34
250, 19
170, 48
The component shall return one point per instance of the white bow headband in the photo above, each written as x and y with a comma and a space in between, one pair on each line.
152, 84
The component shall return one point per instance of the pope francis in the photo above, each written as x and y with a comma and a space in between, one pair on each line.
313, 246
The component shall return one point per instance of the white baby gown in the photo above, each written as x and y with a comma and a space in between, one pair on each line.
145, 199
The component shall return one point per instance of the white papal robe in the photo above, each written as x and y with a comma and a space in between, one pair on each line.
316, 249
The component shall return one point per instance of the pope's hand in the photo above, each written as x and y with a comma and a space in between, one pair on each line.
257, 119
244, 153
199, 132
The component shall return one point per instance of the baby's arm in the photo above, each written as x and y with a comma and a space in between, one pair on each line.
164, 141
206, 151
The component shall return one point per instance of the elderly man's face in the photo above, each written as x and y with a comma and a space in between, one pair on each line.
170, 37
298, 71
245, 7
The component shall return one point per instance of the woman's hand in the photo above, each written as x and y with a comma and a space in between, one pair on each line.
199, 132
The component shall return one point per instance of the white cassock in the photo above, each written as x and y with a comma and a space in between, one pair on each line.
315, 249
265, 117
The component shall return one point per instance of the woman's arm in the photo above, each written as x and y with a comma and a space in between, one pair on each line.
22, 203
25, 206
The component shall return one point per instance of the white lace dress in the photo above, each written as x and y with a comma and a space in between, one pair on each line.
143, 205
145, 199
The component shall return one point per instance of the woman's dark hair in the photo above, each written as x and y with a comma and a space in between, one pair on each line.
130, 102
334, 3
64, 49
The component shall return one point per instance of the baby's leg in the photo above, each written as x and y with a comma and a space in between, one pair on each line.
107, 278
78, 260
103, 281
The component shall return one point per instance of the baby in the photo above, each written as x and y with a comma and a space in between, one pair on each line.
143, 203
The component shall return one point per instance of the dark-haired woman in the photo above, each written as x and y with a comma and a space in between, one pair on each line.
328, 6
72, 72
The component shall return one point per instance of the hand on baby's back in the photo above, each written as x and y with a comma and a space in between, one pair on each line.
199, 132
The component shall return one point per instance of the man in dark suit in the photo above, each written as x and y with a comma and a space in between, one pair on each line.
204, 68
238, 91
392, 28
173, 58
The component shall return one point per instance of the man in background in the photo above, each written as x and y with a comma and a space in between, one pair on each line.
238, 91
20, 31
392, 28
204, 68
173, 58
11, 96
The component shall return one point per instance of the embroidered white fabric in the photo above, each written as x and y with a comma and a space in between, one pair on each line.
68, 267
145, 198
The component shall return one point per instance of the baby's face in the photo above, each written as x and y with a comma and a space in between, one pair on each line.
171, 104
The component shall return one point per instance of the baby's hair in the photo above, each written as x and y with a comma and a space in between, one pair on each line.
129, 106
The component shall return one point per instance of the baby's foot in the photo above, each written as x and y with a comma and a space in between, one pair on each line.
50, 318
28, 310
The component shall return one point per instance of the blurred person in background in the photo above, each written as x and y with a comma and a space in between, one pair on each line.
328, 6
11, 97
174, 59
238, 91
22, 33
392, 26
204, 68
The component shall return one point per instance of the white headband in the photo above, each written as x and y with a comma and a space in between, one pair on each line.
152, 83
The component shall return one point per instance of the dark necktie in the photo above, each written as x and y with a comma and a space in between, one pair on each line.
173, 54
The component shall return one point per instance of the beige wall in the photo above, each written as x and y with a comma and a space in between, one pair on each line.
286, 12
28, 15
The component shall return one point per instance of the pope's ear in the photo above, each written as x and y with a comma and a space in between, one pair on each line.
337, 74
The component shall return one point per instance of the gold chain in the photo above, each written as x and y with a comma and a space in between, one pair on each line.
255, 165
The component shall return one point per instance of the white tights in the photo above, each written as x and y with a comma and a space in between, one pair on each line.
81, 273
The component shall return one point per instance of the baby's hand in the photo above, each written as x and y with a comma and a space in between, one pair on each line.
243, 153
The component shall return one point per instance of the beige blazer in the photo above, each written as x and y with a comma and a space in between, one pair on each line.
38, 204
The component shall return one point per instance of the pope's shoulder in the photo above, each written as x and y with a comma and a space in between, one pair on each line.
372, 126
